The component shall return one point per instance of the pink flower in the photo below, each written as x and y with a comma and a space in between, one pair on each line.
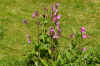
84, 36
72, 35
25, 21
52, 29
52, 49
82, 29
83, 32
84, 49
58, 17
35, 14
57, 4
29, 41
55, 12
58, 23
28, 38
53, 8
58, 26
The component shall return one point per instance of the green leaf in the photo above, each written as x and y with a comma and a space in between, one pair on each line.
43, 62
45, 21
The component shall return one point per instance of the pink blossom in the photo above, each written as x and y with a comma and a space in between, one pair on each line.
55, 12
53, 8
35, 14
57, 4
84, 36
28, 38
52, 49
72, 35
84, 49
52, 29
58, 17
25, 21
29, 41
58, 23
82, 29
58, 26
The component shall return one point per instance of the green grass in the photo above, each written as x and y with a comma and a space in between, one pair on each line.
75, 13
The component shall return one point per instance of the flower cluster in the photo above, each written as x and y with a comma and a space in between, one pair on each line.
56, 19
47, 47
83, 32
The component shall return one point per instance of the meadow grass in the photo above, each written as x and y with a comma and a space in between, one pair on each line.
75, 13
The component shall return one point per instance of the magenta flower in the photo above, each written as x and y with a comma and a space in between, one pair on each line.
58, 17
83, 32
28, 38
84, 36
52, 49
53, 8
35, 14
58, 23
29, 41
52, 29
55, 12
25, 21
84, 49
57, 4
58, 26
72, 35
82, 29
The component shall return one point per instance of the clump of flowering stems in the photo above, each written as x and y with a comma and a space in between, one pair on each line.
83, 33
77, 39
55, 29
56, 17
51, 30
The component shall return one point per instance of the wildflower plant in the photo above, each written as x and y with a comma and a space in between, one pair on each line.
45, 51
48, 33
